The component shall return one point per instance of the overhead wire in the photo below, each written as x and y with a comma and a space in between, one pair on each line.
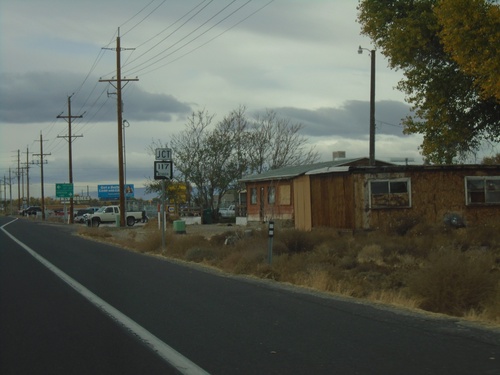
210, 40
169, 35
141, 21
134, 72
171, 25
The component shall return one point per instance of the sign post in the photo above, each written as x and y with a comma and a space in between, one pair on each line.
163, 171
270, 249
64, 191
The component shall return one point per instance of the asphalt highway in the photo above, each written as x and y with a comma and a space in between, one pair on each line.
73, 306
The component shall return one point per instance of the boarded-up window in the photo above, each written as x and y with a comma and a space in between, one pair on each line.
271, 195
253, 196
390, 193
285, 197
482, 190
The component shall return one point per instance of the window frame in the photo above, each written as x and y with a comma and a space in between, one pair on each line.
273, 195
484, 191
406, 180
253, 196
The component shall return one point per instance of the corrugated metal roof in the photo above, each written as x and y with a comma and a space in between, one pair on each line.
297, 170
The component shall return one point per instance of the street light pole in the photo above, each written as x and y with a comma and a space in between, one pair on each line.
372, 103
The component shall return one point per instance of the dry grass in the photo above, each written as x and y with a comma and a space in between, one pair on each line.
456, 272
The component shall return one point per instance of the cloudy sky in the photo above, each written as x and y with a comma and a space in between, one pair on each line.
296, 57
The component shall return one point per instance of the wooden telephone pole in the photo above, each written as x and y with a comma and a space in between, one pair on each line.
117, 84
41, 154
70, 137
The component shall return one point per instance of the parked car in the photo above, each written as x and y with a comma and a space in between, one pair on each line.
227, 212
31, 210
82, 214
109, 214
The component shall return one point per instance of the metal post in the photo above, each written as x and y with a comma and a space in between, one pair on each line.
270, 249
163, 223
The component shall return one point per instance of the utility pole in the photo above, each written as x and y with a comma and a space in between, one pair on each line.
70, 137
10, 189
18, 181
5, 192
27, 176
41, 154
117, 84
372, 103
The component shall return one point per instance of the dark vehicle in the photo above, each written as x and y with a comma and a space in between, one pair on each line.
32, 210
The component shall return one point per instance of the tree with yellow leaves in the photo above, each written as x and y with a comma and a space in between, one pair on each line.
451, 76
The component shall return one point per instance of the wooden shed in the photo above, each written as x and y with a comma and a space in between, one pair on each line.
348, 194
360, 197
277, 194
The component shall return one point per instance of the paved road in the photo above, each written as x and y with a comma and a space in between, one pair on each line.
218, 324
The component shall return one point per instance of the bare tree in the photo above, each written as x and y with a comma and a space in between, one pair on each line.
276, 142
212, 158
190, 150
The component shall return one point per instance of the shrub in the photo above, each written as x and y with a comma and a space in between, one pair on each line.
403, 225
197, 254
177, 246
150, 242
371, 253
297, 241
453, 282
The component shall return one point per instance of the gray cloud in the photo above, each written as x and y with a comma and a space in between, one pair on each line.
38, 97
350, 120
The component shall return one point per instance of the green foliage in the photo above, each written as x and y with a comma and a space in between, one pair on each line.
449, 108
491, 160
470, 33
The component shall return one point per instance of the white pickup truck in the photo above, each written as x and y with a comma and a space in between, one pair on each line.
227, 212
109, 214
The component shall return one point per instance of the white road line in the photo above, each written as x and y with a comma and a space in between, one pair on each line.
177, 360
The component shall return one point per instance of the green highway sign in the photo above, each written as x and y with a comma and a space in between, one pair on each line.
64, 190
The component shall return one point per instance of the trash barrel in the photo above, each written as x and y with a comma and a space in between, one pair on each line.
207, 216
179, 226
117, 220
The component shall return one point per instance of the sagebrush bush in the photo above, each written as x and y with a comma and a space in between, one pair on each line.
371, 253
151, 242
199, 254
298, 241
178, 245
95, 232
453, 282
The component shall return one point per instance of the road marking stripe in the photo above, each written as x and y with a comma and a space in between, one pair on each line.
173, 357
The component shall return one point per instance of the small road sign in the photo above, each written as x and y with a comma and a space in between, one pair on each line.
64, 190
163, 170
164, 154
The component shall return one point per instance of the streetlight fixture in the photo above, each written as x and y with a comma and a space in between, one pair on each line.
372, 103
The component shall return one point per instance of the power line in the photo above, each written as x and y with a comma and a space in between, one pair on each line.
208, 41
191, 40
141, 21
169, 35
